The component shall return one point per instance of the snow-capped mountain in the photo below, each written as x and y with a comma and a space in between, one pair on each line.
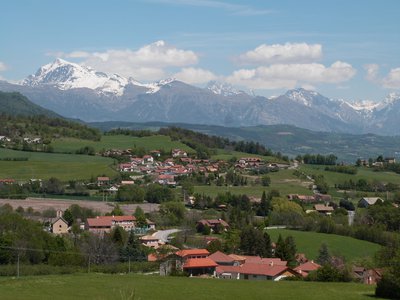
222, 88
78, 91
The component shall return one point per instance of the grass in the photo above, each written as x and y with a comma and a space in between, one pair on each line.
45, 165
310, 242
101, 286
284, 181
156, 142
363, 173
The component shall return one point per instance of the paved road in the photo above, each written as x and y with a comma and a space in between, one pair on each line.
162, 235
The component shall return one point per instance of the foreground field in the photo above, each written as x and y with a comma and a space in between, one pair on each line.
45, 165
101, 286
310, 242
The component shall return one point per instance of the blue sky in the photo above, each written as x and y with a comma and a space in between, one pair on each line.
342, 49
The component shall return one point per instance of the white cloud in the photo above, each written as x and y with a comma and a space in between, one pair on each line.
148, 63
372, 72
278, 53
392, 80
289, 76
3, 66
195, 75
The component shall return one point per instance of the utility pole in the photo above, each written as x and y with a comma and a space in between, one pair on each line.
89, 265
18, 265
129, 264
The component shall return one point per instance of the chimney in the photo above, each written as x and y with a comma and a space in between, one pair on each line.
271, 263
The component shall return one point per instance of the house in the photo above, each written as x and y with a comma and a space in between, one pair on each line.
222, 259
301, 258
367, 201
192, 261
148, 159
255, 271
7, 181
390, 160
214, 224
102, 181
178, 153
323, 198
150, 225
4, 139
367, 276
306, 268
126, 167
59, 226
151, 241
103, 224
155, 153
302, 198
323, 209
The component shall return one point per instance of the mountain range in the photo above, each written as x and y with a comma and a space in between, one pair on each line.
76, 91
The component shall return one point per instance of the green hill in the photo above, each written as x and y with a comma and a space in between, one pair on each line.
288, 139
16, 104
310, 242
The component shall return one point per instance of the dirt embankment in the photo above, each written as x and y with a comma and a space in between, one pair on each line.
41, 204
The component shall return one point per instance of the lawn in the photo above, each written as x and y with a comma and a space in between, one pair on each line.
310, 242
156, 142
102, 286
45, 165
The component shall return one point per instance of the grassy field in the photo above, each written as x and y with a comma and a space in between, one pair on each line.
101, 286
310, 242
284, 181
119, 142
363, 173
45, 165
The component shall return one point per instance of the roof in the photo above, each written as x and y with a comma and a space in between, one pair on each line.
307, 267
221, 257
103, 178
199, 263
187, 252
322, 207
371, 200
254, 269
106, 221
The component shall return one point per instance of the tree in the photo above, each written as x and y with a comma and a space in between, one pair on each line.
323, 256
118, 236
265, 205
265, 180
67, 216
130, 193
255, 242
173, 212
117, 211
214, 246
132, 250
140, 217
286, 249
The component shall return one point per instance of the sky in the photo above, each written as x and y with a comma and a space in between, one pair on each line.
341, 49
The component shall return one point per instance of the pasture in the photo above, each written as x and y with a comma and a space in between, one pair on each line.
310, 242
143, 287
45, 165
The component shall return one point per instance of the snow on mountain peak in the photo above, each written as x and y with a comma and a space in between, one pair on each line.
66, 75
223, 88
302, 96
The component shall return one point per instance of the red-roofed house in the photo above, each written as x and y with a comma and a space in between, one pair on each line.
306, 268
222, 259
213, 224
103, 181
191, 261
255, 271
103, 224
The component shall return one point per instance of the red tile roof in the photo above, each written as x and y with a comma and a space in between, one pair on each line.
106, 221
199, 263
221, 257
307, 267
187, 252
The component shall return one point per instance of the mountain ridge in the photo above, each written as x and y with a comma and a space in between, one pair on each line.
77, 91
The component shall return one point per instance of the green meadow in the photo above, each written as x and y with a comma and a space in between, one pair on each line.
157, 142
310, 242
143, 287
45, 165
363, 173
